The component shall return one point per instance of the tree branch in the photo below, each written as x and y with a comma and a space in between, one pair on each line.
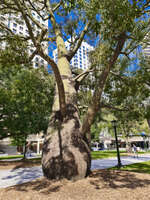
57, 6
95, 102
78, 43
103, 105
81, 76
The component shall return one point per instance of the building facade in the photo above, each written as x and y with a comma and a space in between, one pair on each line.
81, 58
18, 27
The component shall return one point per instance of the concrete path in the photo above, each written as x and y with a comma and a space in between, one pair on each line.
22, 175
18, 176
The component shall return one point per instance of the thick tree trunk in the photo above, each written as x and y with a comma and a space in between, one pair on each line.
25, 150
65, 152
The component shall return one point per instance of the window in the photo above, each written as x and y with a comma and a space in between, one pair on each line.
37, 59
21, 28
14, 25
14, 30
38, 17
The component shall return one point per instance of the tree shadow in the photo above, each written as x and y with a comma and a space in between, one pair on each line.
118, 179
43, 186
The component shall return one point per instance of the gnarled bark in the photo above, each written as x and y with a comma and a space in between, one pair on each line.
65, 152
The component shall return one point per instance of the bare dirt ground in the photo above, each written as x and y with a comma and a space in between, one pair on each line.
101, 185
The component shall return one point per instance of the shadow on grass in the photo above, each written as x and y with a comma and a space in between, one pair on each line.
118, 179
138, 167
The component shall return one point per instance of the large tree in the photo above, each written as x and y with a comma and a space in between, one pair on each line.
26, 94
66, 151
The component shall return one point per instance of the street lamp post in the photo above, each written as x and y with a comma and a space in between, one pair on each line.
114, 124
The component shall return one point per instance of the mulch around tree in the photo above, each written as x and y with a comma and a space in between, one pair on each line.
101, 185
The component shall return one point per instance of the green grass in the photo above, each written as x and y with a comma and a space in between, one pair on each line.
106, 154
16, 156
10, 157
143, 167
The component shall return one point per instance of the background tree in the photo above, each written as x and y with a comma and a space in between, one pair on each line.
26, 96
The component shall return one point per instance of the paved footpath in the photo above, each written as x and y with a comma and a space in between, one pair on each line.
17, 176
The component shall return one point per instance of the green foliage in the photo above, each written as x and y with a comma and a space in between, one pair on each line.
18, 140
14, 44
112, 22
26, 97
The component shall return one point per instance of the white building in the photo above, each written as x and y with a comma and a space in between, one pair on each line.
146, 46
81, 58
17, 26
146, 51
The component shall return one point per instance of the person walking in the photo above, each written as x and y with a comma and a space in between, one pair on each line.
135, 151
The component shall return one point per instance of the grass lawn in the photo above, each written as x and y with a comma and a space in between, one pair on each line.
17, 156
10, 157
106, 154
143, 167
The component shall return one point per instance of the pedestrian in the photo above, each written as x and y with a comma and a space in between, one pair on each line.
135, 151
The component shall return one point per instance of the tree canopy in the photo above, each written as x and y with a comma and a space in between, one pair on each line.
118, 26
26, 95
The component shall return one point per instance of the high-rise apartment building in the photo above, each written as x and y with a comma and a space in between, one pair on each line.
17, 26
146, 47
81, 58
146, 51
